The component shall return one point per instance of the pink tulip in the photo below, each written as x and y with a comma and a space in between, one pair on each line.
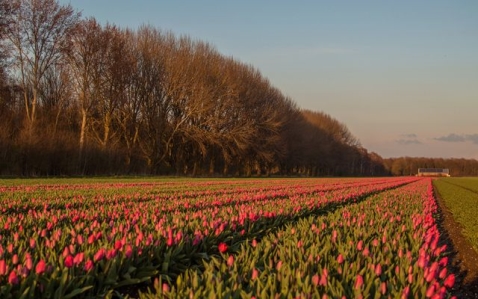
170, 242
128, 252
340, 259
255, 274
442, 274
29, 263
378, 270
3, 268
406, 291
279, 265
230, 260
358, 282
23, 271
88, 265
443, 261
315, 280
430, 291
383, 288
32, 243
99, 255
40, 267
366, 252
422, 262
360, 245
78, 258
13, 278
15, 259
110, 254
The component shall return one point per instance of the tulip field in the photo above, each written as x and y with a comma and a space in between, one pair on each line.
223, 238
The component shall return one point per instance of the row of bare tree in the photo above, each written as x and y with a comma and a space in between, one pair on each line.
79, 98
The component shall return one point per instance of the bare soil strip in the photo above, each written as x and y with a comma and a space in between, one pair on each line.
464, 259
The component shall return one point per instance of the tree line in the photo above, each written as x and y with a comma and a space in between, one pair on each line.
81, 98
405, 166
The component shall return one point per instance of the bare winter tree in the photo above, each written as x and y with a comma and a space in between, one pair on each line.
86, 65
151, 127
113, 80
39, 32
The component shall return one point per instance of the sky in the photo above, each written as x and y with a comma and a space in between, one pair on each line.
401, 75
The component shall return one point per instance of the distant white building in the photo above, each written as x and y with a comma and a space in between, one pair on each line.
433, 172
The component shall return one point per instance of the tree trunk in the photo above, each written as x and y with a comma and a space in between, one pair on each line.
82, 134
211, 165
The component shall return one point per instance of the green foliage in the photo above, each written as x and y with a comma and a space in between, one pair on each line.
461, 198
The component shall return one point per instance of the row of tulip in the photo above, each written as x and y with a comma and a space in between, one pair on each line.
384, 247
96, 245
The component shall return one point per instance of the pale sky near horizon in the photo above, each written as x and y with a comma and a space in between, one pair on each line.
402, 75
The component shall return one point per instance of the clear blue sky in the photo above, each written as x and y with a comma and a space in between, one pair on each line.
402, 75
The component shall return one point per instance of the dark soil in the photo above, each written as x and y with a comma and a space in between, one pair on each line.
464, 259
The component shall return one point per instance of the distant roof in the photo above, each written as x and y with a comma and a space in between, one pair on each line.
444, 170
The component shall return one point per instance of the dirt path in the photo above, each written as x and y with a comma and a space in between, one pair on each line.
464, 259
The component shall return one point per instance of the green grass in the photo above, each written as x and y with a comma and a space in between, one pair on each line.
461, 198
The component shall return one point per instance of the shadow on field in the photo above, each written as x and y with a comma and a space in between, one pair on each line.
254, 229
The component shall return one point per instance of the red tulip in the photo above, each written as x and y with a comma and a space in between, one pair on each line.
118, 245
69, 261
450, 281
40, 267
222, 247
